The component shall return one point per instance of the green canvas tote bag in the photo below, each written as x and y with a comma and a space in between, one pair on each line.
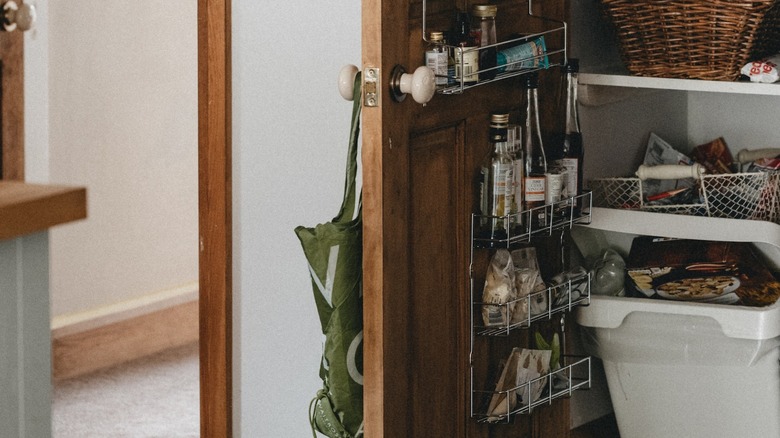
334, 251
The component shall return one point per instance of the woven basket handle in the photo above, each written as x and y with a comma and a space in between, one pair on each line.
670, 171
746, 156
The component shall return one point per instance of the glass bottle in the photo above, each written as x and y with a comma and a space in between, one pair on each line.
572, 147
535, 159
497, 182
436, 58
515, 145
465, 52
484, 30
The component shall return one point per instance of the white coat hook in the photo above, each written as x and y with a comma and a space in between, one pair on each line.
18, 16
347, 80
421, 84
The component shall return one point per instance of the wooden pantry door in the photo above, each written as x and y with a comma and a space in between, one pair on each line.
418, 192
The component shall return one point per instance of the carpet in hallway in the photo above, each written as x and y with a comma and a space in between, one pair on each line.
152, 397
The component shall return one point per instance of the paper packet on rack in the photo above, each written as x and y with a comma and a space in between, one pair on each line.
520, 382
660, 152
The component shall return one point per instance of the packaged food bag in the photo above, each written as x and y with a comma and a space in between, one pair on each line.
499, 293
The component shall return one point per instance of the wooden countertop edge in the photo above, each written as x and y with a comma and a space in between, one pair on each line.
29, 208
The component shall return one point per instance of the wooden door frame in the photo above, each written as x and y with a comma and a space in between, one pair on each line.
12, 106
215, 217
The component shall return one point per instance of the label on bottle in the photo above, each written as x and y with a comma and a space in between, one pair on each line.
437, 61
570, 168
532, 54
518, 168
502, 189
534, 189
466, 64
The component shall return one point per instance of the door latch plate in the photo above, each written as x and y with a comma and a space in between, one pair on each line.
370, 87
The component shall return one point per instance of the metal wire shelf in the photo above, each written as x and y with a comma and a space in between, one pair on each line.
554, 57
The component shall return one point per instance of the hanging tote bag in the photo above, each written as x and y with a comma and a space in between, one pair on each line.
334, 251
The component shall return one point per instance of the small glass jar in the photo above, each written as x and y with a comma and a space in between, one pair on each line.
437, 58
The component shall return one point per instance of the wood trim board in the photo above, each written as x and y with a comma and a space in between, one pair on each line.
80, 353
215, 217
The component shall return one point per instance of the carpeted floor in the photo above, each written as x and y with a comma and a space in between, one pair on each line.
154, 397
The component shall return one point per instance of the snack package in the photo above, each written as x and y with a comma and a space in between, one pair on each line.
699, 271
504, 399
764, 70
529, 285
577, 276
531, 365
660, 152
714, 156
499, 293
519, 382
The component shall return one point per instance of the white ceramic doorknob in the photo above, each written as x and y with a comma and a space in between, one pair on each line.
347, 80
421, 84
18, 16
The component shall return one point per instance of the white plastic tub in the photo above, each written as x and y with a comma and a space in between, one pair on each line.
687, 370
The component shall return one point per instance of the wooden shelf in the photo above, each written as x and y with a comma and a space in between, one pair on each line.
28, 208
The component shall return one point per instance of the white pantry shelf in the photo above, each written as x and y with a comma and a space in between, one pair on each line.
597, 89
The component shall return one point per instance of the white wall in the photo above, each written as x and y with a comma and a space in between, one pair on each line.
123, 122
36, 96
290, 132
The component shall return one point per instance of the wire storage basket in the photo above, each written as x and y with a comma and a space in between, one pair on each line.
694, 39
750, 195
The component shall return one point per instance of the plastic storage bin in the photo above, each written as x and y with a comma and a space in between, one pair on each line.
687, 369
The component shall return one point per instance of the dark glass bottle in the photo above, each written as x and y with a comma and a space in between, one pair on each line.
535, 159
465, 51
497, 182
484, 30
570, 143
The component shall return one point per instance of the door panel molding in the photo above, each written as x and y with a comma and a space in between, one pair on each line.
215, 217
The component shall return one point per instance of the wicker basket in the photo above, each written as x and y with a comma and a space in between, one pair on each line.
694, 39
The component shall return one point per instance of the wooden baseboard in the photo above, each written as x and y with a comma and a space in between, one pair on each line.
101, 347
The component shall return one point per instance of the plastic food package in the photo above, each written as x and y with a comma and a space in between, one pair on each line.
520, 381
714, 156
562, 293
764, 70
609, 272
500, 292
529, 284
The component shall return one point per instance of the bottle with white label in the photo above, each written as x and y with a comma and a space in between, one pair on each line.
436, 58
535, 160
497, 182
